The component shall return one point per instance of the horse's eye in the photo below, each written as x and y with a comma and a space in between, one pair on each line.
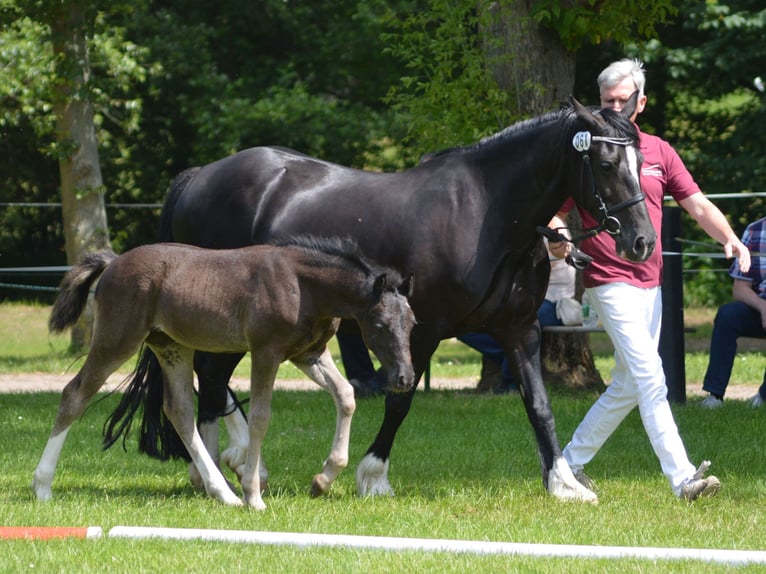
606, 166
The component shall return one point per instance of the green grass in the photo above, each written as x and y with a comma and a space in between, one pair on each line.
464, 466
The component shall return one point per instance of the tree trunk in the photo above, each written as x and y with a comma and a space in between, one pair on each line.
568, 362
531, 62
82, 190
527, 60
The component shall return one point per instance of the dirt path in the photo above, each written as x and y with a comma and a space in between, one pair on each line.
45, 382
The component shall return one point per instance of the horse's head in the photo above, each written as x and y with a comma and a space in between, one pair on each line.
386, 326
610, 188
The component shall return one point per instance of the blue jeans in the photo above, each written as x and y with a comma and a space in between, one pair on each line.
487, 345
733, 320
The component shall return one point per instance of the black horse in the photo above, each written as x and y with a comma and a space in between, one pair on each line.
464, 221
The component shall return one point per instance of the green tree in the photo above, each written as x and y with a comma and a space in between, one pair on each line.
473, 69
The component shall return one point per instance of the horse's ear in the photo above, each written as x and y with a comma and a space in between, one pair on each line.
405, 288
381, 281
630, 106
592, 120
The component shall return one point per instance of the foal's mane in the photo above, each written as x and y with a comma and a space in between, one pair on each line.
343, 248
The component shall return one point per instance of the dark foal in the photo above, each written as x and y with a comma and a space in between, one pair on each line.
278, 303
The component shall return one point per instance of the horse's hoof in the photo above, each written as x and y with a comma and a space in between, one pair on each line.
372, 477
234, 458
563, 485
256, 503
195, 477
319, 486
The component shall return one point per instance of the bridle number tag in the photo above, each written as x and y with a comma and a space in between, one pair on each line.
581, 141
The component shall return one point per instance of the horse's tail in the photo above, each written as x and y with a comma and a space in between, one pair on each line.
157, 437
74, 289
176, 189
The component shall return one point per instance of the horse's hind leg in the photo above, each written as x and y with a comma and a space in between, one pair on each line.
213, 373
74, 398
176, 363
235, 454
324, 372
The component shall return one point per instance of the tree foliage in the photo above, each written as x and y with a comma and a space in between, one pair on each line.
179, 83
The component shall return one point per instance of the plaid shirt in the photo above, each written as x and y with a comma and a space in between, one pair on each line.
754, 239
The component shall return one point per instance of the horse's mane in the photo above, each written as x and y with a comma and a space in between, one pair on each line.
618, 125
344, 248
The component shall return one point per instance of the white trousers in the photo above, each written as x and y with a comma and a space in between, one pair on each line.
632, 317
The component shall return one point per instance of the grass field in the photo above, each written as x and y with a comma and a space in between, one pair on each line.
463, 467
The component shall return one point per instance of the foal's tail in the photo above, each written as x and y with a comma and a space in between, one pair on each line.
74, 289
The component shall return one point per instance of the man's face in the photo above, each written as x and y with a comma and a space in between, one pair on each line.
618, 95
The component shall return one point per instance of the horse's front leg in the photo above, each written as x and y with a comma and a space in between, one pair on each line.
557, 476
372, 471
262, 376
178, 403
322, 370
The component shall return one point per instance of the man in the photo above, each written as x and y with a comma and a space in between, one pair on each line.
743, 317
627, 298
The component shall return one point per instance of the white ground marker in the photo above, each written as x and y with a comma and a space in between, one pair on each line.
442, 545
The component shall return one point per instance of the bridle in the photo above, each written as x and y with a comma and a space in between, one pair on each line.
609, 223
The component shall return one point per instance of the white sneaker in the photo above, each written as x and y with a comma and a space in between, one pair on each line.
756, 401
711, 402
697, 486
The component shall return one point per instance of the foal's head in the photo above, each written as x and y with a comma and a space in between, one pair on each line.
386, 326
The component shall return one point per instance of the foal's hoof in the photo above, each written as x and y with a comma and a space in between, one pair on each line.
43, 492
319, 485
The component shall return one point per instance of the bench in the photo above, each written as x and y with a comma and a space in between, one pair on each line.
553, 329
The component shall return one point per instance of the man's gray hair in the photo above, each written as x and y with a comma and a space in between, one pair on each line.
617, 71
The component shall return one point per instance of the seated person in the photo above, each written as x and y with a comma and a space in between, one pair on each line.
745, 316
495, 372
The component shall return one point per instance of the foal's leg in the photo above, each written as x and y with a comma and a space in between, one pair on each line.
176, 363
263, 373
323, 371
213, 374
75, 397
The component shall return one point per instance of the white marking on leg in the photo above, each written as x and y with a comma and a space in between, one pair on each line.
42, 479
563, 485
178, 404
235, 454
372, 477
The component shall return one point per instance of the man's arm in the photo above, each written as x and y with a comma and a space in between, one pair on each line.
715, 224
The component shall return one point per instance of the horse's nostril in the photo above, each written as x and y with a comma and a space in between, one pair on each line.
640, 247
